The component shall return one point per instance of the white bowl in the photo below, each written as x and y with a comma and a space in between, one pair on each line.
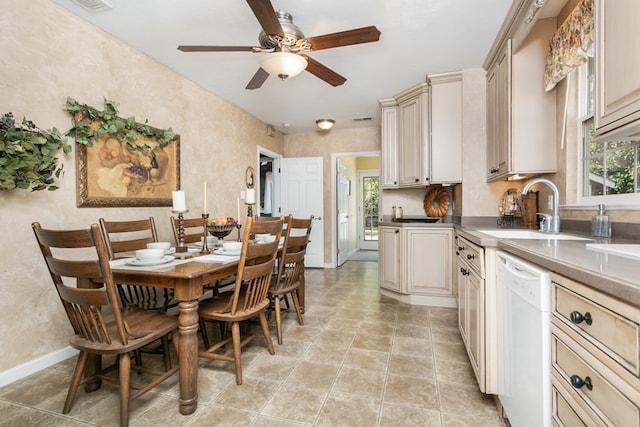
261, 237
159, 245
269, 238
232, 246
147, 254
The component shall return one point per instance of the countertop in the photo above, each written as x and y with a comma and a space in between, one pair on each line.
615, 275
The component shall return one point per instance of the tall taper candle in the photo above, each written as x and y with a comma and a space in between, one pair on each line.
204, 203
179, 203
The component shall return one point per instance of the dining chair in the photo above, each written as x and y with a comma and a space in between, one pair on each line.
290, 275
100, 325
193, 230
249, 297
123, 238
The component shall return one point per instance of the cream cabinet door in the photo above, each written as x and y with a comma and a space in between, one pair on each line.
498, 115
410, 146
446, 128
390, 239
389, 154
617, 64
429, 267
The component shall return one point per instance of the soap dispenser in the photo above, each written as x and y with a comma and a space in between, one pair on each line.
600, 226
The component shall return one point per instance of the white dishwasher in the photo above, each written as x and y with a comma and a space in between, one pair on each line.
524, 341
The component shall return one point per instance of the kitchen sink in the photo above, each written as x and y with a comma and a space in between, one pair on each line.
530, 234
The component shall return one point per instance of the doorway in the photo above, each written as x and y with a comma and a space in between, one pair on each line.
355, 220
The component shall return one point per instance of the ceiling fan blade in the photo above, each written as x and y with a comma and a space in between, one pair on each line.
324, 73
345, 38
263, 10
190, 48
258, 79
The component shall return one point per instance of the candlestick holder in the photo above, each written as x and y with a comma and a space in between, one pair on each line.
249, 209
238, 226
205, 249
181, 246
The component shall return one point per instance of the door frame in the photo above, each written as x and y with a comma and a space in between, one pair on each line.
334, 192
276, 187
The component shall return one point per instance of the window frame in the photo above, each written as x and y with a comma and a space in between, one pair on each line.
619, 201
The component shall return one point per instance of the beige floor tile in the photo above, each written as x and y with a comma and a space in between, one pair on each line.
470, 402
219, 416
313, 375
372, 360
412, 391
412, 346
408, 416
348, 410
360, 381
369, 341
251, 396
412, 366
296, 404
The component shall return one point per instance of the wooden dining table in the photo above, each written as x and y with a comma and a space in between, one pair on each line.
187, 279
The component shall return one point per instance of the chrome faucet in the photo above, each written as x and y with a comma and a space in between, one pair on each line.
550, 224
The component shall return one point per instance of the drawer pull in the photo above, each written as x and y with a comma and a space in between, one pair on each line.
470, 256
577, 318
464, 271
578, 382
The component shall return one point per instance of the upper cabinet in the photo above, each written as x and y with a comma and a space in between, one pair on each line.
422, 134
521, 116
413, 136
617, 66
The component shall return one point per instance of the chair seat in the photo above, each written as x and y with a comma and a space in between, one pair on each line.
219, 308
143, 327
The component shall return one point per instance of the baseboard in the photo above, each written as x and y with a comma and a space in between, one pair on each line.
33, 366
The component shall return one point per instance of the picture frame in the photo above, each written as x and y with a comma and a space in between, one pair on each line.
113, 173
250, 177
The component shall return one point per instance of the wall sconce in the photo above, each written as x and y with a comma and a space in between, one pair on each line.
325, 124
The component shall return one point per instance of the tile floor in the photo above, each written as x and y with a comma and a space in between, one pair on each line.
359, 360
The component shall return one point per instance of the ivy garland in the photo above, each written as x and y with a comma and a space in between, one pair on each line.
28, 155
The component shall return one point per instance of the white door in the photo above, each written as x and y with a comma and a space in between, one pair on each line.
342, 203
302, 195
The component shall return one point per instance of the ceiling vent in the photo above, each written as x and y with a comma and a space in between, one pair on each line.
363, 119
94, 6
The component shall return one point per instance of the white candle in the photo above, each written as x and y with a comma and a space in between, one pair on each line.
238, 211
179, 203
204, 203
251, 196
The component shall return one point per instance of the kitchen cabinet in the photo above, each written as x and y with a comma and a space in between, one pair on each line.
389, 245
389, 154
428, 257
446, 128
476, 310
416, 264
521, 116
413, 136
617, 55
595, 358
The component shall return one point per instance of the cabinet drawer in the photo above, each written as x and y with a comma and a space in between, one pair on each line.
566, 410
601, 389
617, 333
472, 254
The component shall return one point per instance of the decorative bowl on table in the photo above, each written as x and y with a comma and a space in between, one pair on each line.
221, 227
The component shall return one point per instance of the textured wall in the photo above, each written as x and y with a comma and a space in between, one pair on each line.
49, 54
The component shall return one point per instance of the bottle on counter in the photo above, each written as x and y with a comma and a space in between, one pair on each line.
600, 226
393, 212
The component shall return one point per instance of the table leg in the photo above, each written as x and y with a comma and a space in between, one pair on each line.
188, 355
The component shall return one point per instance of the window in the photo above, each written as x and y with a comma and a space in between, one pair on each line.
610, 169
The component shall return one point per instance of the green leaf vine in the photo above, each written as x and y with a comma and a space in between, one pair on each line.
28, 155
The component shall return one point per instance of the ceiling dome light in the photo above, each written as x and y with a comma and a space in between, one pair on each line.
325, 124
283, 64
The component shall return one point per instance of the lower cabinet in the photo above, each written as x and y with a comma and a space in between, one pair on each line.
416, 264
595, 357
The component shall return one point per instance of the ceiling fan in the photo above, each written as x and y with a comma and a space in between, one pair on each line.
285, 45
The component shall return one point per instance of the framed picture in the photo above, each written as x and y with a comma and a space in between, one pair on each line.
250, 177
117, 173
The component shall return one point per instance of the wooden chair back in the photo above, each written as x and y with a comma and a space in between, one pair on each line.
193, 230
255, 266
94, 288
124, 237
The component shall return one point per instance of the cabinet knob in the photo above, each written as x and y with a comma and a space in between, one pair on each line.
577, 318
470, 256
464, 271
397, 231
460, 248
417, 180
578, 382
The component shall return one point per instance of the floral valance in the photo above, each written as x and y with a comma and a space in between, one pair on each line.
571, 44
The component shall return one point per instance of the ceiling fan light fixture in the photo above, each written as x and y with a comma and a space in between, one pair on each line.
283, 64
325, 124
